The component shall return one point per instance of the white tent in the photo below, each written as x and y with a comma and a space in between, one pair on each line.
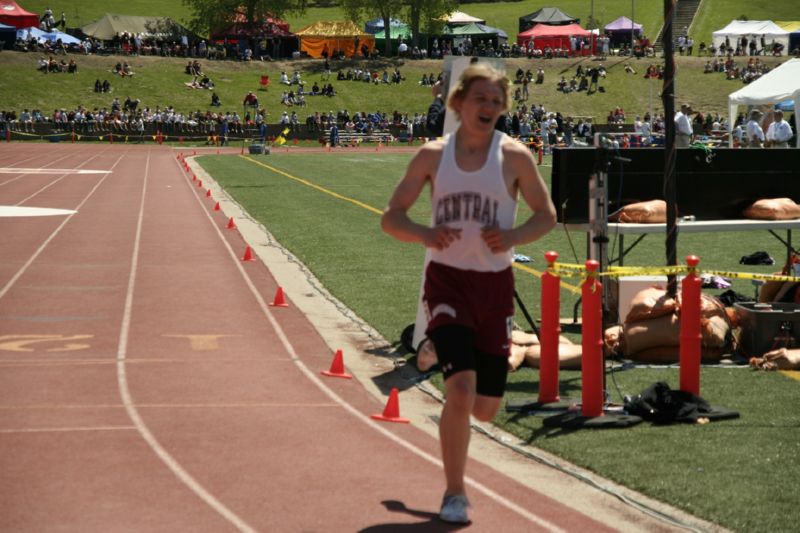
752, 29
780, 84
459, 17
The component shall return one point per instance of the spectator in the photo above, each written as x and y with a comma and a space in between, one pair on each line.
215, 100
779, 131
251, 100
683, 127
753, 130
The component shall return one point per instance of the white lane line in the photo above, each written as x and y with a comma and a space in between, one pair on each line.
22, 211
23, 174
491, 494
67, 430
10, 283
124, 390
18, 170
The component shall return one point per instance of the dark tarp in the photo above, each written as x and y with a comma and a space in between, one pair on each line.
546, 15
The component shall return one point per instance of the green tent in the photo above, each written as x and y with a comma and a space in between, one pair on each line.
401, 31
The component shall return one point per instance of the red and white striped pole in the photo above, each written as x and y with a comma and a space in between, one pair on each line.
551, 328
690, 336
592, 343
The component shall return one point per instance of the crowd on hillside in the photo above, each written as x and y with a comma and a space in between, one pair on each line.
751, 71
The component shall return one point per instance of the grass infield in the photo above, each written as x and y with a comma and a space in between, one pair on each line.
740, 473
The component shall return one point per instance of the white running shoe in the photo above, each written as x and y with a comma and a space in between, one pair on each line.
454, 509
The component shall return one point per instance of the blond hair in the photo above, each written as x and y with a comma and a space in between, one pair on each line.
473, 73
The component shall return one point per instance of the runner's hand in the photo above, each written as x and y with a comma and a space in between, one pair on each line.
496, 239
441, 237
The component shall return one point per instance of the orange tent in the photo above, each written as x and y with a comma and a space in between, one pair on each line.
333, 35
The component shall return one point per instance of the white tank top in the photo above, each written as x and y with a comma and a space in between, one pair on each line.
470, 201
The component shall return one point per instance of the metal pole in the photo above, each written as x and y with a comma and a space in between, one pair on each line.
632, 19
670, 150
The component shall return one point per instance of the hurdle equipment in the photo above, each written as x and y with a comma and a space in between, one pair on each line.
591, 414
549, 399
337, 367
690, 335
592, 342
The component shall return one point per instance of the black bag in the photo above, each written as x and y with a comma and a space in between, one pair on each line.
662, 405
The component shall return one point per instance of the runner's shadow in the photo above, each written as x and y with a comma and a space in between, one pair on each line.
431, 524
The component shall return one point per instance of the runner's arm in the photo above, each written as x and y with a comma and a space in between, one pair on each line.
535, 193
395, 220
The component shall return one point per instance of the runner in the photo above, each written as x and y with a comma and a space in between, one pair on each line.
476, 175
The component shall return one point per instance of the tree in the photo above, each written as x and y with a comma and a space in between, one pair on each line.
356, 10
427, 14
211, 15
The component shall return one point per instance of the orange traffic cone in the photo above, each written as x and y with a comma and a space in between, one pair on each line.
231, 224
391, 412
208, 193
217, 207
200, 183
248, 254
337, 367
194, 177
279, 300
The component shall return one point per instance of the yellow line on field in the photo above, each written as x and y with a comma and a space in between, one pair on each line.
794, 374
315, 186
529, 270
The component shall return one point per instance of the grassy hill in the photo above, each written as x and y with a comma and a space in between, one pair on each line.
160, 82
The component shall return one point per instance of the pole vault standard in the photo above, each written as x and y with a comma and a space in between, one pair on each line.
670, 150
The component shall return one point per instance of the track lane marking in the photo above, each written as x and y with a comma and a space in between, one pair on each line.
10, 283
122, 380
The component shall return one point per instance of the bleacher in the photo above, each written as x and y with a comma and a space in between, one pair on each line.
351, 138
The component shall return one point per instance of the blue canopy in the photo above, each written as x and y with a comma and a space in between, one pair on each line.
52, 36
786, 105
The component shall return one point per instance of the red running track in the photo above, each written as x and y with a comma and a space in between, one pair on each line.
146, 385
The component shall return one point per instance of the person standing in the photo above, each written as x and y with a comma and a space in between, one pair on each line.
753, 130
779, 131
334, 134
475, 175
683, 127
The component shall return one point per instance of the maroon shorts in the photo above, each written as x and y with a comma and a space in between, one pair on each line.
481, 301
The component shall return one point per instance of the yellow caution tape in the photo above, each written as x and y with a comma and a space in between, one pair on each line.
573, 270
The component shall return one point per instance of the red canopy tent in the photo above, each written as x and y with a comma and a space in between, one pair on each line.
13, 15
545, 35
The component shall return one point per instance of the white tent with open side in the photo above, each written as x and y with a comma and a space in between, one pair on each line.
752, 29
780, 84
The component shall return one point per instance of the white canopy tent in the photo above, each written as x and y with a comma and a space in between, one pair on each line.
752, 29
780, 84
